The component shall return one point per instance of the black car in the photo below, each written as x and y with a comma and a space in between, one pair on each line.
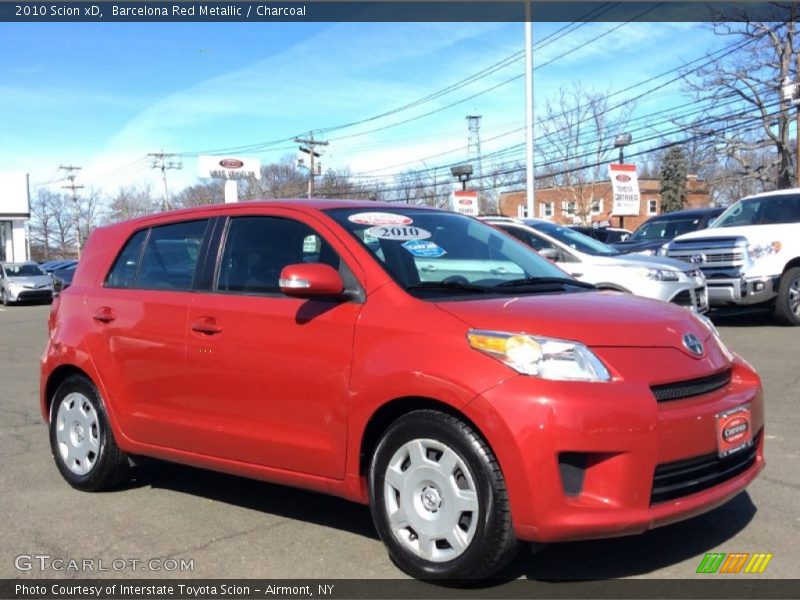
62, 278
607, 235
657, 231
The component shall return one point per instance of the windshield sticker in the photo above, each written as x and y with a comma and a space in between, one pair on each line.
379, 218
424, 249
399, 233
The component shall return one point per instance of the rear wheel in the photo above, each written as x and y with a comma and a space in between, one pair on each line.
787, 304
4, 298
439, 500
83, 445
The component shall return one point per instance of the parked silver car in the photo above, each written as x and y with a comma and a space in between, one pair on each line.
22, 282
594, 262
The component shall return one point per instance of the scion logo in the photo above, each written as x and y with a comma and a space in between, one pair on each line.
735, 562
692, 344
231, 163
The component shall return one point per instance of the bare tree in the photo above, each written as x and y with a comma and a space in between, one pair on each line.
576, 140
210, 192
41, 224
132, 201
747, 127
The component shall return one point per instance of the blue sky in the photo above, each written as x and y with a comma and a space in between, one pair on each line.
102, 95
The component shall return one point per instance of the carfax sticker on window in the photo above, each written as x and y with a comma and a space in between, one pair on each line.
424, 249
398, 232
379, 218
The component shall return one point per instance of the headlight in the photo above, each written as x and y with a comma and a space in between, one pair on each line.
756, 251
657, 274
648, 252
15, 286
663, 250
543, 357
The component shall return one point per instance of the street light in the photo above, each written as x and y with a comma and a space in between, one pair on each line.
622, 140
462, 173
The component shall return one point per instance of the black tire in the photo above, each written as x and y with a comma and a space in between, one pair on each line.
4, 298
787, 309
82, 442
492, 543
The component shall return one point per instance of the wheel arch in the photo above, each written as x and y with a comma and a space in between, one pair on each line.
795, 262
390, 411
56, 378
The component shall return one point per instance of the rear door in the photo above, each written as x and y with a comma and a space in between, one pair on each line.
138, 342
269, 375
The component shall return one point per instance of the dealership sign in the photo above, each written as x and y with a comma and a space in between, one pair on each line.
465, 202
625, 190
228, 167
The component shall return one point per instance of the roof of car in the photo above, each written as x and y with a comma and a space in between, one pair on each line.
689, 212
774, 193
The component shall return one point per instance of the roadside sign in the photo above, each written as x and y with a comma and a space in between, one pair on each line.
625, 190
465, 202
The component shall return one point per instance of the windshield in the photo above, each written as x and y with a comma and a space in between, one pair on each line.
766, 210
23, 270
665, 229
574, 239
427, 251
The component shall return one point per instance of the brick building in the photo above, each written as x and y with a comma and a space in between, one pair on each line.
557, 203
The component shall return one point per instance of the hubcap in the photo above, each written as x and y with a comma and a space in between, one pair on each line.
794, 297
78, 433
431, 500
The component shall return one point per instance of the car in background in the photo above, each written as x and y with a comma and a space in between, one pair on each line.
53, 265
24, 282
652, 235
594, 262
607, 235
62, 278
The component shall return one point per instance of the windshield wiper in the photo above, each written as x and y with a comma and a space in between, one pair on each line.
544, 282
448, 285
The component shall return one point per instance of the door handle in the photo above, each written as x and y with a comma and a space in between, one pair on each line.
207, 326
428, 268
104, 314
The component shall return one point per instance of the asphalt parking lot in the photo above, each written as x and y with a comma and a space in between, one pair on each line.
230, 527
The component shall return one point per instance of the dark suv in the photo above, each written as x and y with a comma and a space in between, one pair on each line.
658, 230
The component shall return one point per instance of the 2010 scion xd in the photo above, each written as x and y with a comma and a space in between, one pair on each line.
416, 360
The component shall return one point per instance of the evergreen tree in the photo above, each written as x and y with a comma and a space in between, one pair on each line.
673, 180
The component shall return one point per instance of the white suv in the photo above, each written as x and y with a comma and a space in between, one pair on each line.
751, 254
594, 262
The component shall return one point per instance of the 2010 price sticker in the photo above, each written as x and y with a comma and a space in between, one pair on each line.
398, 232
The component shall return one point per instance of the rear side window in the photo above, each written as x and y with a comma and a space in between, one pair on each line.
167, 262
258, 248
123, 273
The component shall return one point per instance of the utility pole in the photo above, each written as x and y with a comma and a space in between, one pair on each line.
72, 173
163, 161
529, 123
307, 147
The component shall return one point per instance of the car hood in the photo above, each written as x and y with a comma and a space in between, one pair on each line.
38, 281
597, 319
652, 262
727, 232
640, 245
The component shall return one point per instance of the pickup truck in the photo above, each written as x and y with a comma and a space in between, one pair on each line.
751, 254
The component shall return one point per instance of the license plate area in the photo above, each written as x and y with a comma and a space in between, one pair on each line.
734, 430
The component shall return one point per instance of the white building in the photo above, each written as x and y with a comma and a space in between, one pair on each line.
15, 212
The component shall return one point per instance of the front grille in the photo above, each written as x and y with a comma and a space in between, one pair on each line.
35, 295
691, 387
711, 258
710, 253
692, 475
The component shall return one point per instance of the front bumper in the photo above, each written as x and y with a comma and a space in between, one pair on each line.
744, 290
29, 294
580, 459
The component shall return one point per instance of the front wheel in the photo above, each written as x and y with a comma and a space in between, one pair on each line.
83, 445
4, 298
787, 304
439, 500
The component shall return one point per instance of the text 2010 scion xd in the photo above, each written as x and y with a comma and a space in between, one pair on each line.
416, 360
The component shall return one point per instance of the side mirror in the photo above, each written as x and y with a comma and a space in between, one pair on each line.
310, 280
549, 254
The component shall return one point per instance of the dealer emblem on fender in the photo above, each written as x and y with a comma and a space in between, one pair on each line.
692, 344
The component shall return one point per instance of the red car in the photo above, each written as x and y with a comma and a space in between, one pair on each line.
416, 360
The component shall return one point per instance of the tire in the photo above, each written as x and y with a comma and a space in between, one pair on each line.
427, 463
82, 441
787, 304
4, 298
